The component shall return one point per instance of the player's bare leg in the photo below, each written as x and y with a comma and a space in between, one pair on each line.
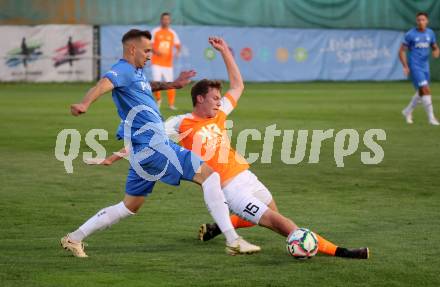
217, 207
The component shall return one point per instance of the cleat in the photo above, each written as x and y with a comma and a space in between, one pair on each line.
434, 122
173, 108
358, 253
77, 248
241, 246
408, 117
208, 231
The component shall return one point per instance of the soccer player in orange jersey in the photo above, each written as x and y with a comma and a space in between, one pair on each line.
165, 40
205, 134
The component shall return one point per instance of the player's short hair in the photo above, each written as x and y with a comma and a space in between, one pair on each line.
201, 88
165, 14
422, 14
136, 34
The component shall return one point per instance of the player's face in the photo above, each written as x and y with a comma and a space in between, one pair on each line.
165, 21
211, 102
422, 22
142, 52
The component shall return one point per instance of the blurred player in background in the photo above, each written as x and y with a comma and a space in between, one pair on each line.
418, 41
164, 41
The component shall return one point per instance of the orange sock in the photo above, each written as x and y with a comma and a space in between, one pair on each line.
325, 246
239, 222
171, 97
157, 95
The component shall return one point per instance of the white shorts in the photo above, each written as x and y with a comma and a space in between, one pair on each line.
161, 73
247, 196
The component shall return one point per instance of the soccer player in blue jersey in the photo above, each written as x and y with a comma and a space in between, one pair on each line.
152, 155
418, 42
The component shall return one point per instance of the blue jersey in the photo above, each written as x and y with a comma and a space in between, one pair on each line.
419, 46
120, 131
132, 89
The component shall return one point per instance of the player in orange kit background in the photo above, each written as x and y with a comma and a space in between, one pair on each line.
165, 40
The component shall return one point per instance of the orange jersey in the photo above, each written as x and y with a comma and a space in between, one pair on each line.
164, 41
208, 139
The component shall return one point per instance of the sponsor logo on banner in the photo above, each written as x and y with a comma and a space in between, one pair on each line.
246, 54
264, 54
300, 55
356, 49
46, 53
287, 55
282, 55
209, 54
24, 54
69, 52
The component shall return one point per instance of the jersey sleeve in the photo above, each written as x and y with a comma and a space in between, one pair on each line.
176, 39
228, 104
407, 39
117, 76
172, 127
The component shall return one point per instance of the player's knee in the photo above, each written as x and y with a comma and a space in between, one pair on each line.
424, 91
272, 205
206, 171
134, 204
212, 175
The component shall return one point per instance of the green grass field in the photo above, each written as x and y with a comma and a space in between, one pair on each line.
393, 207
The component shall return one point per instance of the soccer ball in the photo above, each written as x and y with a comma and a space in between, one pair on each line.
302, 244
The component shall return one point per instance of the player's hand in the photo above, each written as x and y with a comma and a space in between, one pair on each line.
157, 53
78, 109
218, 43
184, 79
406, 71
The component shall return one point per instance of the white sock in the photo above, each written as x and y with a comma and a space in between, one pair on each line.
217, 207
427, 104
413, 103
103, 219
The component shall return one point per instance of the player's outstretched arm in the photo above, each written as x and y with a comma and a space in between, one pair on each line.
435, 51
109, 160
236, 85
403, 60
181, 81
102, 86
